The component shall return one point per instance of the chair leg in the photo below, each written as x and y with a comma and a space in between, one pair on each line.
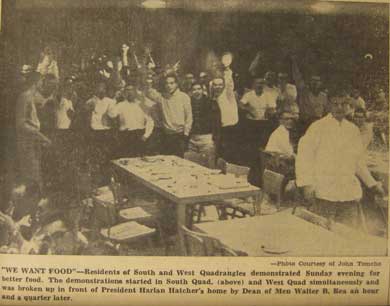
257, 204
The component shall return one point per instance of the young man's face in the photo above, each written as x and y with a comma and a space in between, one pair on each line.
338, 107
197, 92
130, 93
287, 120
258, 86
170, 85
203, 77
47, 87
270, 79
218, 87
101, 90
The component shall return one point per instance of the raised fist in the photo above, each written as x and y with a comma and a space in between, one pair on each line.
125, 48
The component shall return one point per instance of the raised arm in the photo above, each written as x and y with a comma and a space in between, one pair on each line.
154, 95
149, 126
229, 86
255, 64
187, 115
296, 73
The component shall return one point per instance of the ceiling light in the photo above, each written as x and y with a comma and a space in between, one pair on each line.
154, 4
323, 7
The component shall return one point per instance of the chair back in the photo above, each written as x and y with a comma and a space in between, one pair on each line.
200, 244
237, 170
198, 158
221, 164
273, 184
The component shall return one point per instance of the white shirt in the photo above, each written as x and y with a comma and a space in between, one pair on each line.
289, 92
271, 94
102, 109
62, 119
132, 117
279, 141
229, 110
47, 66
257, 105
176, 110
227, 101
330, 157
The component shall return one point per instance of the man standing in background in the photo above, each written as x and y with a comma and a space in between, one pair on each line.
177, 116
312, 101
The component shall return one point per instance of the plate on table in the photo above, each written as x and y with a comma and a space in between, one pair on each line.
151, 159
123, 162
274, 249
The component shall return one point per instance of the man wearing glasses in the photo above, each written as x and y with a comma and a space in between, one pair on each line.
329, 162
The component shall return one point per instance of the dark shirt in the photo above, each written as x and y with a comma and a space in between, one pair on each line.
311, 107
202, 116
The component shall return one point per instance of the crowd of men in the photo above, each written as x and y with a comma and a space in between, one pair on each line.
128, 106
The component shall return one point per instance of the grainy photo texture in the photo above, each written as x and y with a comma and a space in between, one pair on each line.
194, 128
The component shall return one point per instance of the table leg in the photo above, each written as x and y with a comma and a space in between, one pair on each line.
258, 200
181, 214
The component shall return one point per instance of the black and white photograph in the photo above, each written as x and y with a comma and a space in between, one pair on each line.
194, 128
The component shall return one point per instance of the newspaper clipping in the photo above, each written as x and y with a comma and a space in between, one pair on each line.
176, 152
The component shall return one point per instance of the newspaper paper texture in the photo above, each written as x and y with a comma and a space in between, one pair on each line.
173, 152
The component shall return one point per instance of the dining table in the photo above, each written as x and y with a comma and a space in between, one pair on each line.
285, 234
185, 183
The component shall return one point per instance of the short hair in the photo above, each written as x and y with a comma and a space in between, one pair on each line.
173, 76
336, 91
217, 78
269, 74
196, 83
288, 109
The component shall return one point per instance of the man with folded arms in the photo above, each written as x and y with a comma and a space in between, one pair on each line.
177, 116
329, 162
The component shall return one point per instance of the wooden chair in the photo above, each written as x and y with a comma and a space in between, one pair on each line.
116, 224
273, 184
198, 158
338, 228
238, 207
199, 244
221, 164
197, 213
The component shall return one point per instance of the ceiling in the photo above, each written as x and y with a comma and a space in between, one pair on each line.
298, 6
